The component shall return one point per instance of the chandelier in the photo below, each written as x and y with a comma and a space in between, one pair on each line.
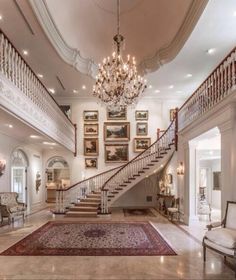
117, 81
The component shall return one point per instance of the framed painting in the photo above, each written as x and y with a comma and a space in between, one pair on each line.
116, 153
216, 180
172, 114
141, 115
91, 146
117, 113
90, 116
90, 129
117, 131
66, 109
91, 163
141, 144
142, 128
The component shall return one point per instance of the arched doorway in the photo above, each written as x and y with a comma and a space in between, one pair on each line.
19, 165
57, 176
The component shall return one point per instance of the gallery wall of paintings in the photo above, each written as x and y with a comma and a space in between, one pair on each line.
109, 138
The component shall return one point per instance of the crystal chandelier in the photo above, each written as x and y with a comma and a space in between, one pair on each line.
117, 81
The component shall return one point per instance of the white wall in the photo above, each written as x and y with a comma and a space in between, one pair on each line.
158, 118
35, 199
137, 196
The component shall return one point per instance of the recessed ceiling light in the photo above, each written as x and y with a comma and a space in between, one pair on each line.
40, 75
171, 86
179, 91
83, 87
211, 51
1, 17
189, 75
34, 136
157, 90
10, 125
150, 86
75, 91
161, 165
52, 90
49, 143
25, 52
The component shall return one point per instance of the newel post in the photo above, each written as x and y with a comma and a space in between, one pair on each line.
176, 128
104, 202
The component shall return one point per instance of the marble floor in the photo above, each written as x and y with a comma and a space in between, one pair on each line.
188, 264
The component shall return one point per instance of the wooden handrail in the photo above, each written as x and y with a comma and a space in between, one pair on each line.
1, 31
135, 158
223, 60
90, 178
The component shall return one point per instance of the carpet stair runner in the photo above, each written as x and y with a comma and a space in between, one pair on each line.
87, 207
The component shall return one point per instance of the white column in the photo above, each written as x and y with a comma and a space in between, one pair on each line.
228, 162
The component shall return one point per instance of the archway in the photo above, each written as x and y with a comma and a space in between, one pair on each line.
19, 165
57, 176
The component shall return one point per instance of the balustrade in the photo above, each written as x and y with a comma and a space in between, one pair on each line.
31, 102
71, 195
220, 83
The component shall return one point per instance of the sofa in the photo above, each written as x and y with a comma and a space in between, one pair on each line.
10, 207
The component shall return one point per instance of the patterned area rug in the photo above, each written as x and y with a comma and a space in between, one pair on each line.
92, 239
138, 212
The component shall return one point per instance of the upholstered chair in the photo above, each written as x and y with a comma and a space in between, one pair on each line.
10, 207
221, 236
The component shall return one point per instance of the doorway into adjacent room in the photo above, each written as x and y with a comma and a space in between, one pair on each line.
205, 176
19, 165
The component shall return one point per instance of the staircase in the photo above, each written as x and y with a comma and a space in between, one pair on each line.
150, 161
86, 207
105, 188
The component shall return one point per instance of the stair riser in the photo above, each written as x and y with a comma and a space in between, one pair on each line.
86, 209
87, 204
90, 200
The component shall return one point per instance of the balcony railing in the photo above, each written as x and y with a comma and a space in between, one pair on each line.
220, 83
23, 94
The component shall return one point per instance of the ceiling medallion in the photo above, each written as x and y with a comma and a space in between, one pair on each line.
117, 81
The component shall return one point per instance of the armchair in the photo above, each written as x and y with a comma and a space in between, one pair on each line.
221, 236
10, 207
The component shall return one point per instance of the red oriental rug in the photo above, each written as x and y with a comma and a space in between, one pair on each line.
92, 239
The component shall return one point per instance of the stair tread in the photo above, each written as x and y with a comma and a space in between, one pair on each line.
81, 214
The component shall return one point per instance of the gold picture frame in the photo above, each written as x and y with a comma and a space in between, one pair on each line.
141, 115
91, 129
142, 128
116, 114
141, 144
116, 153
116, 131
91, 116
91, 147
172, 114
91, 162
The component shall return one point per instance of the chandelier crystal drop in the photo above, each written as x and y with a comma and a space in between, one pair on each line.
117, 81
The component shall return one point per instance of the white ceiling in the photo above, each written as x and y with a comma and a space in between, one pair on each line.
216, 28
13, 127
90, 25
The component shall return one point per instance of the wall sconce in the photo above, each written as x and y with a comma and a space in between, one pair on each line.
2, 166
180, 169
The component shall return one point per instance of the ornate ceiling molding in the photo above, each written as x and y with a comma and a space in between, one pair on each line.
169, 52
87, 66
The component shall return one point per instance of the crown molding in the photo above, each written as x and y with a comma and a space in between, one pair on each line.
87, 66
169, 52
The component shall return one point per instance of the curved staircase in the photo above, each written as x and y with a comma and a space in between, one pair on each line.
104, 189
